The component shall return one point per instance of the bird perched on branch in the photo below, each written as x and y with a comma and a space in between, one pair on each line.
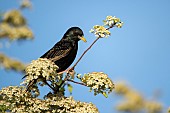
64, 52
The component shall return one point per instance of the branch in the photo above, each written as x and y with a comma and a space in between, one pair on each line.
87, 50
49, 85
76, 82
84, 53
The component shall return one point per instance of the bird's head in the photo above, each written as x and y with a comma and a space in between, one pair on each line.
74, 33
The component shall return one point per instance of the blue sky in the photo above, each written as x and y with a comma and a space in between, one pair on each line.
137, 53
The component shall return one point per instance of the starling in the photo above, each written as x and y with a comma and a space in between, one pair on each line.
63, 52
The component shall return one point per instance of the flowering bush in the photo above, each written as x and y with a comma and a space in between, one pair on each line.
41, 68
98, 82
14, 99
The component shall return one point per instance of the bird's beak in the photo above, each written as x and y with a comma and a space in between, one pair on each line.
82, 38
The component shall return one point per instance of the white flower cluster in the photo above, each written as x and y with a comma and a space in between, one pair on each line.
14, 17
14, 26
113, 21
41, 68
98, 82
153, 107
100, 31
15, 33
69, 105
26, 4
134, 102
13, 99
9, 63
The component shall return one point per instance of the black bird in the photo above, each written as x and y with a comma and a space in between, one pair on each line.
64, 52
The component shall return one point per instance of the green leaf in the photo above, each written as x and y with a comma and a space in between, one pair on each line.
70, 88
104, 94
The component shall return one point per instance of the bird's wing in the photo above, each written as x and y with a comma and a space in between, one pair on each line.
60, 50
